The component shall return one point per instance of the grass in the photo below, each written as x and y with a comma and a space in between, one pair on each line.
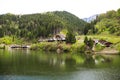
98, 47
46, 46
9, 40
117, 46
53, 46
110, 38
6, 40
2, 46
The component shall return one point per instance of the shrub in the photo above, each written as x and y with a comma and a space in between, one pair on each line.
6, 40
88, 42
46, 46
78, 47
70, 37
98, 47
66, 48
117, 46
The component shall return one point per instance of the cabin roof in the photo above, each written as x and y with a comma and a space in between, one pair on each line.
59, 36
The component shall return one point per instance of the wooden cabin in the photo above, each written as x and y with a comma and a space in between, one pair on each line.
60, 37
105, 43
50, 40
57, 37
102, 42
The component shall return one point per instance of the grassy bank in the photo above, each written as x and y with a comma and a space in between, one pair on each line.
10, 40
54, 46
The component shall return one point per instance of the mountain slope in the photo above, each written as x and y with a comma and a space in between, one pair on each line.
39, 25
71, 20
108, 23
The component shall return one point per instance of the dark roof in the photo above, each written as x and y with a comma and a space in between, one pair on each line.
59, 36
106, 43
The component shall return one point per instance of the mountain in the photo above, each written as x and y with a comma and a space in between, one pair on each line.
91, 18
71, 20
39, 25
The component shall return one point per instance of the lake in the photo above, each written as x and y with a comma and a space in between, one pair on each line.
17, 64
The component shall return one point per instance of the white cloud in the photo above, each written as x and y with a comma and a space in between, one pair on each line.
81, 8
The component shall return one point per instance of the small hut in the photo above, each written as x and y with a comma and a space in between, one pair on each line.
59, 37
105, 43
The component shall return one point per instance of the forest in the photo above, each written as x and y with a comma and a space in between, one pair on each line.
34, 26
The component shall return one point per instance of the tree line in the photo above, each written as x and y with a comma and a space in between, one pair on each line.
33, 26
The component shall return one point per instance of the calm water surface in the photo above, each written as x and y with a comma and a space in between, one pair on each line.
18, 64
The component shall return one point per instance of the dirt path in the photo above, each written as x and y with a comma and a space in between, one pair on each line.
109, 51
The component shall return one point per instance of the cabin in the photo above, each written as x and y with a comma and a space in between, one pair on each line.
40, 40
105, 43
59, 37
102, 42
95, 41
50, 40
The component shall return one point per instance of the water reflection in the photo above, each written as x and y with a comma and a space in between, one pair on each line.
38, 65
89, 61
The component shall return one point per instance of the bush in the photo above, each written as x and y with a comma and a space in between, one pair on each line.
50, 47
88, 42
98, 47
117, 46
70, 37
6, 40
78, 47
66, 48
82, 48
46, 46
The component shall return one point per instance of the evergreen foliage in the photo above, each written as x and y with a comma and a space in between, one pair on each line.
88, 42
70, 37
106, 23
32, 26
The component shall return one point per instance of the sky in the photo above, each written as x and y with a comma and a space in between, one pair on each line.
80, 8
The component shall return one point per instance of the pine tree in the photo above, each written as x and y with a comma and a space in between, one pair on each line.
70, 37
90, 43
86, 40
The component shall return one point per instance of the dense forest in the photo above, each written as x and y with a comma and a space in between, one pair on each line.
32, 26
106, 23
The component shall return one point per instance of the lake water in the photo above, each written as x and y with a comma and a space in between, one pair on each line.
16, 64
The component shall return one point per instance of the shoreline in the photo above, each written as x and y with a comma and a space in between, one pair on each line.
61, 48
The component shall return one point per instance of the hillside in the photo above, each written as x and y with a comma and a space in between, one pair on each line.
106, 24
39, 25
71, 20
